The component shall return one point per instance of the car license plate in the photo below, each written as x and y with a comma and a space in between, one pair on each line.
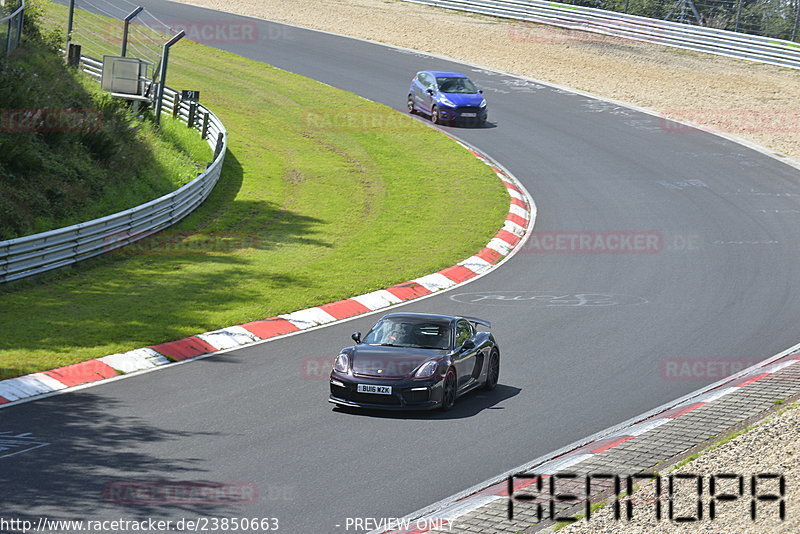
371, 388
469, 114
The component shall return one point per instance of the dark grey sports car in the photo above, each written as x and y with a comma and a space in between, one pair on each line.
415, 361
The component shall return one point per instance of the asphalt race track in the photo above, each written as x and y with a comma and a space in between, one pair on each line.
721, 283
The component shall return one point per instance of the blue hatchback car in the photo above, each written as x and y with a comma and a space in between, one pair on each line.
446, 97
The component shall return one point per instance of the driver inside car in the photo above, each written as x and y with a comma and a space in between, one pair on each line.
400, 333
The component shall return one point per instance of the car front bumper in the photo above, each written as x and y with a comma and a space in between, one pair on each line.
457, 114
406, 394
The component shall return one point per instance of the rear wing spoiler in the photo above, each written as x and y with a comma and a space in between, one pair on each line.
477, 321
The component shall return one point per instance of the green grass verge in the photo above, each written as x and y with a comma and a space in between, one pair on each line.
90, 157
323, 196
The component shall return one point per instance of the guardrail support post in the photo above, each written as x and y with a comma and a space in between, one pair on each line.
218, 148
8, 37
204, 132
738, 15
162, 77
176, 105
70, 18
4, 264
74, 55
127, 21
192, 113
19, 27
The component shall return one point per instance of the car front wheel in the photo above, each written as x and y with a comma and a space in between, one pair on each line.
449, 391
411, 108
435, 119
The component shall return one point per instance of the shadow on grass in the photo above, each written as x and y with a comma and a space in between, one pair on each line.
224, 224
169, 279
75, 452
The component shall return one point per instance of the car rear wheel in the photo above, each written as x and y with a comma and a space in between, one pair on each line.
411, 108
449, 391
435, 119
493, 371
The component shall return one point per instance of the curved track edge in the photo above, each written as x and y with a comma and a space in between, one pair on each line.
507, 241
749, 143
756, 387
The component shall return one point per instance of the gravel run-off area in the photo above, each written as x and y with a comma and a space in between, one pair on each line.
754, 101
759, 102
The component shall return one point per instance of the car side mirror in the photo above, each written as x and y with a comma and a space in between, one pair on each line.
356, 337
480, 91
468, 345
429, 91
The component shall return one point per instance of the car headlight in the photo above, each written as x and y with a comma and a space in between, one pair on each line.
444, 100
427, 370
483, 103
342, 363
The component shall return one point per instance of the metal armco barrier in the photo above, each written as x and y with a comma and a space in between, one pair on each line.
11, 26
699, 38
38, 253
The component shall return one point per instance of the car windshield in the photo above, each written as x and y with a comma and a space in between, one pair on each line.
456, 85
409, 332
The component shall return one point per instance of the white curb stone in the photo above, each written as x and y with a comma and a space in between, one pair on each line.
519, 210
377, 299
434, 282
500, 246
476, 264
514, 228
309, 317
134, 360
228, 338
28, 386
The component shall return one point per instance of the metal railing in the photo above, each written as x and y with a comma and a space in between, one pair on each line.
34, 254
699, 38
11, 26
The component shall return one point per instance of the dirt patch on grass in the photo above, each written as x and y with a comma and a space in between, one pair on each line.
760, 102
